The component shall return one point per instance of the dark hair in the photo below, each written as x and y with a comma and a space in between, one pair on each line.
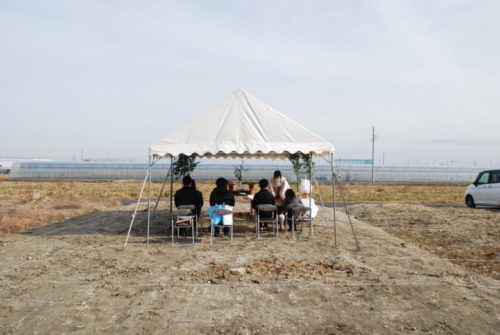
277, 173
186, 180
221, 182
263, 183
193, 184
289, 194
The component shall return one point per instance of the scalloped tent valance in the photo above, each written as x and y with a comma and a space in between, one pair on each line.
241, 126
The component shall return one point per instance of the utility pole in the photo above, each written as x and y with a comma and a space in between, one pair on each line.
373, 152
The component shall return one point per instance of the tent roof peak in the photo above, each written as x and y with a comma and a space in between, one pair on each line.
240, 125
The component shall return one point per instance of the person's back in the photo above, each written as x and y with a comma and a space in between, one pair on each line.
199, 198
187, 195
290, 200
263, 197
220, 195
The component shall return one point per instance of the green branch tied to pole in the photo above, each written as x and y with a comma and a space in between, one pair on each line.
301, 163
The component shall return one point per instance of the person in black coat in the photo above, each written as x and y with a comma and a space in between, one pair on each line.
199, 197
290, 200
263, 197
221, 196
188, 195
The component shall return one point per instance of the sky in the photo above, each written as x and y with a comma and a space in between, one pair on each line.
106, 79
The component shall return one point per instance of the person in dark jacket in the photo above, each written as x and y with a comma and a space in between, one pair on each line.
188, 195
199, 196
263, 197
290, 199
221, 196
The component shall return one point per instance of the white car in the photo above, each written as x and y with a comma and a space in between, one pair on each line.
485, 190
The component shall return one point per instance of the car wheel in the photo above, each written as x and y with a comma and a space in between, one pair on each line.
469, 201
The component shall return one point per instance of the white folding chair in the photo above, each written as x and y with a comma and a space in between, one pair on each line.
299, 217
182, 218
192, 208
227, 221
271, 217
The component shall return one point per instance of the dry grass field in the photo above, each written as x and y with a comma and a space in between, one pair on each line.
458, 234
129, 190
28, 203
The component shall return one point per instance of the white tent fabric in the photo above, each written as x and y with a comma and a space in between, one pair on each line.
241, 126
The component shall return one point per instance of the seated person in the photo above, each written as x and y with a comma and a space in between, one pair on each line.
290, 199
221, 196
304, 189
199, 196
188, 195
263, 197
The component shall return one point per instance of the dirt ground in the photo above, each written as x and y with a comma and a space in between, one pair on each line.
74, 276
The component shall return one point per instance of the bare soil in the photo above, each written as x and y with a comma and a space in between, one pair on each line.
73, 276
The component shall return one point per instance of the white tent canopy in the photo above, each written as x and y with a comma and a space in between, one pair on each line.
241, 125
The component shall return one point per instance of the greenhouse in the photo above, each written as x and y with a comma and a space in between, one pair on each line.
206, 171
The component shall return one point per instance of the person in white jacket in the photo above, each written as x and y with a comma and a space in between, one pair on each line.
304, 189
278, 186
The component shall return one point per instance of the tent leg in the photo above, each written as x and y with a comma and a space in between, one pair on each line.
171, 189
136, 207
311, 232
334, 179
149, 199
334, 202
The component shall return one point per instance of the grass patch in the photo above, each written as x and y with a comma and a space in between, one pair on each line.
457, 233
129, 190
28, 203
17, 215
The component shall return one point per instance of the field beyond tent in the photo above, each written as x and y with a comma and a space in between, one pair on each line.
420, 270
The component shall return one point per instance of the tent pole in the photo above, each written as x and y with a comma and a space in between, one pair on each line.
136, 207
171, 185
149, 198
311, 232
333, 198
